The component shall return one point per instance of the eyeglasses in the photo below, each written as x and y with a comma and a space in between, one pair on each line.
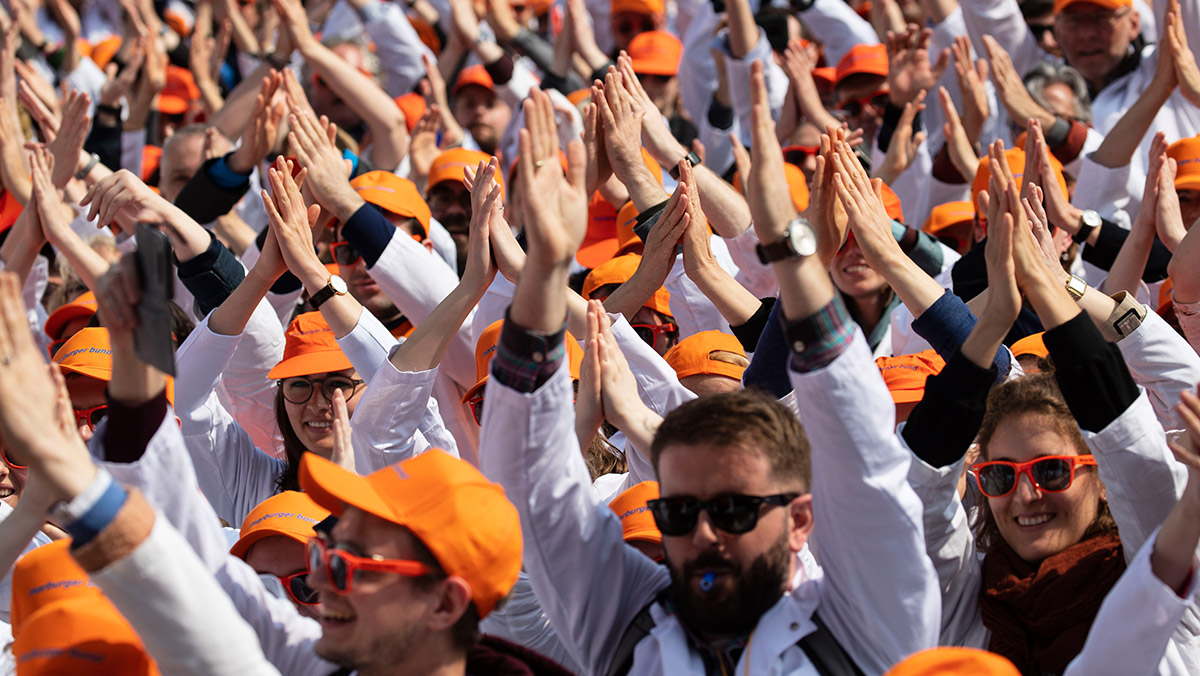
797, 154
649, 333
91, 416
344, 254
1050, 473
476, 404
299, 390
13, 460
633, 27
735, 514
297, 588
1039, 30
1107, 20
854, 107
341, 567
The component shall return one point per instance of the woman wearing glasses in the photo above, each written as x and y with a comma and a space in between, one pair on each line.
1073, 475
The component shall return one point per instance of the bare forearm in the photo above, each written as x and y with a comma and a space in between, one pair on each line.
1174, 555
341, 311
804, 286
1127, 269
133, 381
540, 301
427, 344
229, 319
1119, 145
732, 300
235, 113
631, 295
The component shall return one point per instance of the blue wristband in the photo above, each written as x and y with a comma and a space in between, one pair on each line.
224, 177
84, 529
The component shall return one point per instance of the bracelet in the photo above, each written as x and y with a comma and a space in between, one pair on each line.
92, 162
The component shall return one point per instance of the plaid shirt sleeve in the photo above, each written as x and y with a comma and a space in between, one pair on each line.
818, 339
525, 359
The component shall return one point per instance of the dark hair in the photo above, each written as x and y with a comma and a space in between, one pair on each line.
746, 418
603, 458
1035, 8
293, 449
1035, 394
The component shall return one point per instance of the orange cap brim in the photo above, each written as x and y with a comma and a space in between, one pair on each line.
311, 363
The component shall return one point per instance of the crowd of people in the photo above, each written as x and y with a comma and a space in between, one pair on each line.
605, 337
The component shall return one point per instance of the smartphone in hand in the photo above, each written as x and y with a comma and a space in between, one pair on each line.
152, 337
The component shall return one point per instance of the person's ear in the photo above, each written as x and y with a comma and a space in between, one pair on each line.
800, 520
453, 598
428, 244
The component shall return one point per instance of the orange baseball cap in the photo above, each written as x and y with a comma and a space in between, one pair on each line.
1060, 5
151, 158
891, 204
10, 209
618, 271
103, 52
84, 305
868, 59
180, 22
1186, 154
600, 242
1016, 164
1033, 344
88, 353
797, 185
80, 636
291, 514
825, 77
1165, 299
579, 96
46, 575
655, 53
954, 662
397, 195
485, 351
412, 105
948, 215
905, 375
652, 7
473, 75
426, 33
637, 523
626, 237
465, 520
178, 92
309, 348
452, 166
693, 355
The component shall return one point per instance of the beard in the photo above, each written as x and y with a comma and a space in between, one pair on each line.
739, 598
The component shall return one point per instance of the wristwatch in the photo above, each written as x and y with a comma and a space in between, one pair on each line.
1076, 286
799, 240
335, 287
692, 159
1088, 222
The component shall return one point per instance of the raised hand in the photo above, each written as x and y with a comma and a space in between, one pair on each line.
120, 84
68, 143
423, 149
902, 150
1011, 89
556, 205
971, 83
589, 405
825, 210
598, 168
910, 69
622, 119
863, 201
259, 136
480, 268
1175, 39
343, 450
768, 190
291, 220
312, 141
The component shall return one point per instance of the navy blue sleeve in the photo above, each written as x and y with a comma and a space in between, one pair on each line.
211, 276
946, 325
768, 370
368, 231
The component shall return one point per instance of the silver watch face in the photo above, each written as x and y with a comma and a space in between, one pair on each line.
1091, 219
802, 238
338, 285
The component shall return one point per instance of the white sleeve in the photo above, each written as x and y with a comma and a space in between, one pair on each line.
737, 72
388, 416
591, 584
367, 345
398, 46
860, 490
1161, 361
1002, 20
132, 143
1140, 474
840, 28
244, 388
756, 276
1103, 189
186, 621
692, 310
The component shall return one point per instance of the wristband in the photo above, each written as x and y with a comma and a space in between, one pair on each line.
111, 110
692, 159
92, 162
272, 59
1125, 318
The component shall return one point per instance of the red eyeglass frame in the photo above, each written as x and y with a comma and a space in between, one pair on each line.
356, 563
286, 580
84, 415
1026, 468
475, 403
9, 461
657, 329
862, 100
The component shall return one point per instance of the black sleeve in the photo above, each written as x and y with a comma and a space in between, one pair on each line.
105, 141
942, 426
748, 333
891, 118
129, 429
204, 200
1091, 373
211, 276
1108, 244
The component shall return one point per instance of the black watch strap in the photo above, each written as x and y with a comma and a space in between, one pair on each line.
692, 159
769, 253
318, 299
1085, 231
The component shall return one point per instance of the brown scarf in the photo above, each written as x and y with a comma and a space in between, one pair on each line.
1039, 615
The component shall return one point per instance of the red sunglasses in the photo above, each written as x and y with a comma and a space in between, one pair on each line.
340, 567
651, 332
297, 588
476, 404
12, 460
1049, 473
91, 416
855, 106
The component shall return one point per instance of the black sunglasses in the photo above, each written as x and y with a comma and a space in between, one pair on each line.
735, 514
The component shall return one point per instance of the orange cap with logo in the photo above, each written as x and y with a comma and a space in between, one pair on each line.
43, 576
473, 75
648, 7
868, 59
485, 351
1060, 5
309, 348
694, 355
905, 375
178, 92
465, 520
1016, 164
655, 53
948, 215
397, 195
412, 105
88, 353
637, 523
80, 636
84, 305
954, 662
1186, 154
600, 242
1034, 344
618, 271
452, 166
627, 239
291, 514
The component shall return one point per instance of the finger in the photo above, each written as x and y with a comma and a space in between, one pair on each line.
576, 165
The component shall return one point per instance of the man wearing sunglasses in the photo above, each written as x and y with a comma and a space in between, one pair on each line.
861, 89
739, 593
273, 541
